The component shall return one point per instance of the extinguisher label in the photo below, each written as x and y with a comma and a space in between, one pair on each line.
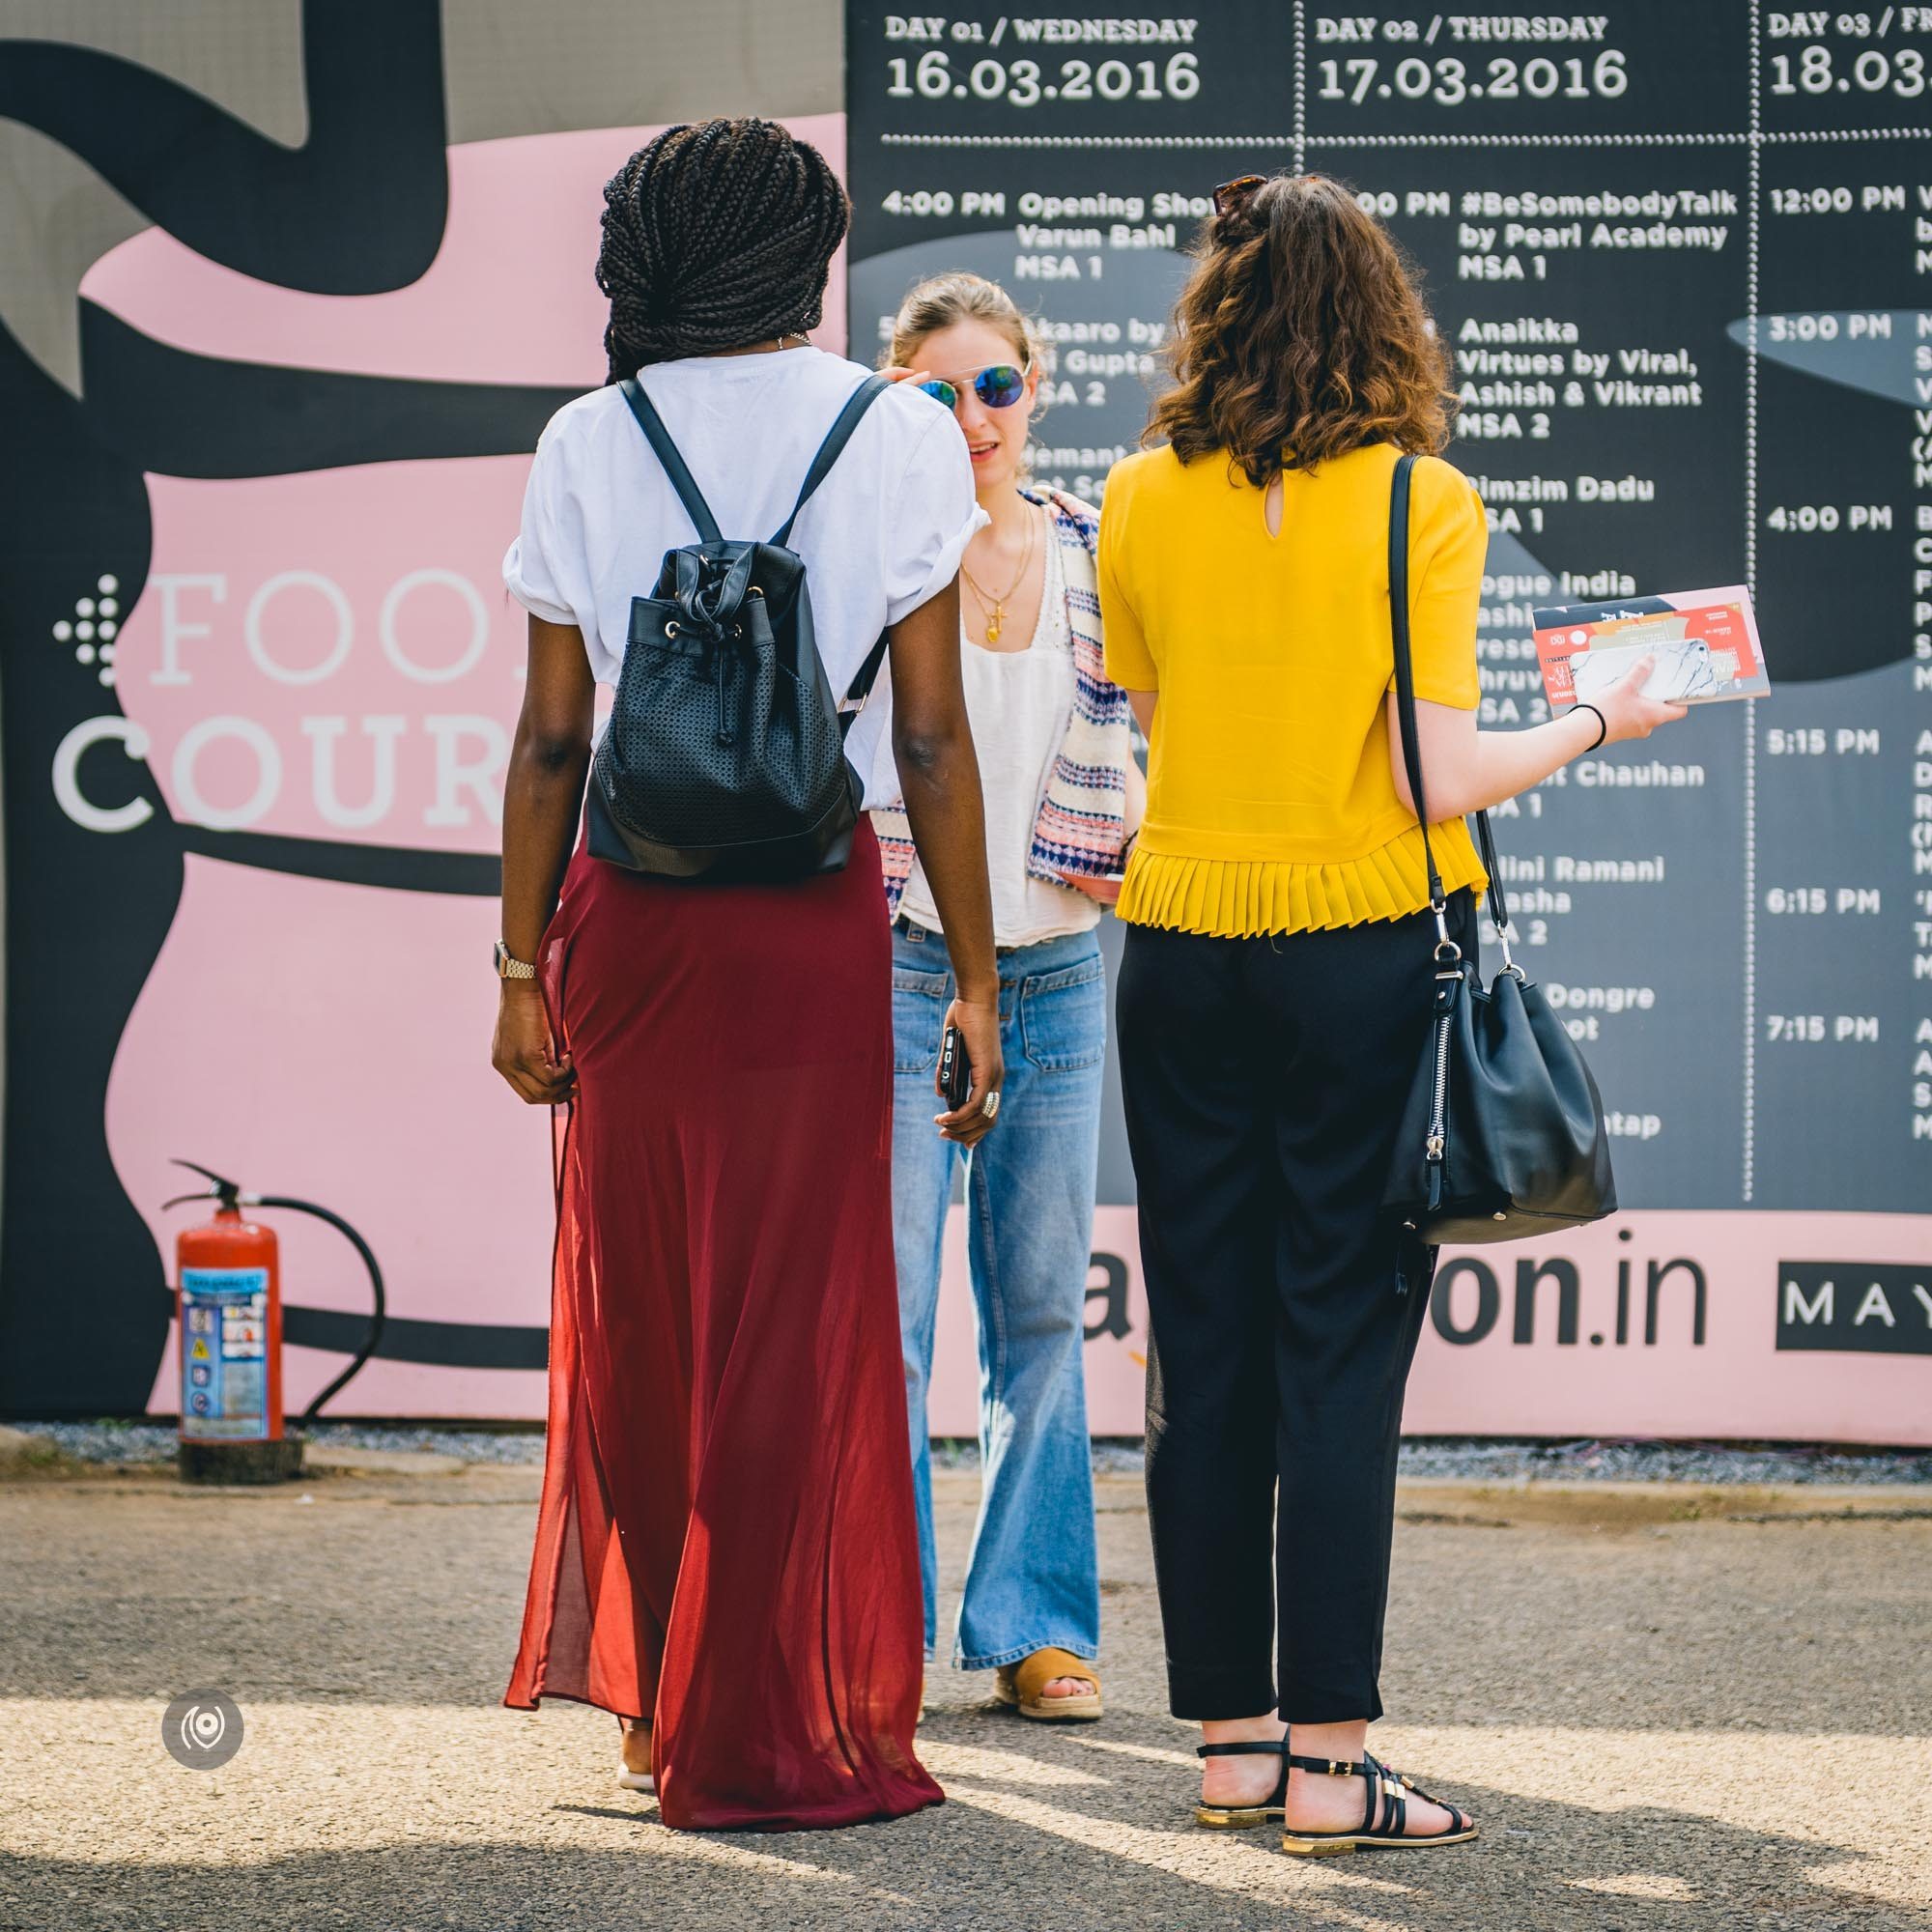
224, 1350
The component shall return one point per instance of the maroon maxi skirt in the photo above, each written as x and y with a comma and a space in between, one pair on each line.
726, 1541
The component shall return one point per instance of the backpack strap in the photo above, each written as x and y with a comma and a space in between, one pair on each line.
836, 438
659, 439
861, 687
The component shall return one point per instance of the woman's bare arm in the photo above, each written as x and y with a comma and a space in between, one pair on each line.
1465, 770
543, 794
1107, 890
939, 777
1136, 801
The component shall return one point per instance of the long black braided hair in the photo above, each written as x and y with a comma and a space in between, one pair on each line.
716, 235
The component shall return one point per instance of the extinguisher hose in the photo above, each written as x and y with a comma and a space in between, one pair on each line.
377, 1320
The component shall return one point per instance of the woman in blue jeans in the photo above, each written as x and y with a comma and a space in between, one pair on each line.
1063, 796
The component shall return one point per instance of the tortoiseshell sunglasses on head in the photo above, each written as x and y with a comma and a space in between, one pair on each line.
1231, 195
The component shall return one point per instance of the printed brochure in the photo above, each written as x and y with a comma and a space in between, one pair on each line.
1704, 642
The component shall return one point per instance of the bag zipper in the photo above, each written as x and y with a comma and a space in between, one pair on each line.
1434, 1146
1438, 1117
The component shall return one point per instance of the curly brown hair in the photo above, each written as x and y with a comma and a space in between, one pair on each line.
1301, 335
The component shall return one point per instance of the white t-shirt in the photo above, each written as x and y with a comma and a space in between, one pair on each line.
1019, 703
881, 535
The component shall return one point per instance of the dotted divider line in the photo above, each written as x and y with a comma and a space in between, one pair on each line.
1756, 137
1698, 140
1297, 141
1752, 238
1300, 86
1086, 140
1300, 141
1783, 136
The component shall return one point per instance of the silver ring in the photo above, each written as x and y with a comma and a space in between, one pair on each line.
990, 1105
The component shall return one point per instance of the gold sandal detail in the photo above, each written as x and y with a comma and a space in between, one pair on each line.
1383, 1783
1244, 1817
1022, 1686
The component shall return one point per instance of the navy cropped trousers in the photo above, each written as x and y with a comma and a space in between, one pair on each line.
1265, 1080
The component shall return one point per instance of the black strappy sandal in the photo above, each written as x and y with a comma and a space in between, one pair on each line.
1242, 1817
1384, 1783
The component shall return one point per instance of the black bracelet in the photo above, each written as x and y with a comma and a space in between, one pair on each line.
1603, 725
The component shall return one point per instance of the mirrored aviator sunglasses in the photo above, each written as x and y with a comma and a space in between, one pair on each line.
999, 385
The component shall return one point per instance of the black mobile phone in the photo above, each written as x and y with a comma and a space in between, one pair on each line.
955, 1070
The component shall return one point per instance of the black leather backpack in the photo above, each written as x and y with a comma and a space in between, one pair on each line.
725, 756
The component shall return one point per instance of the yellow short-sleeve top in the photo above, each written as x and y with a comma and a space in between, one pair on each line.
1271, 805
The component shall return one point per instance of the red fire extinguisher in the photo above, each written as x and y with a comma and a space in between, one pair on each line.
228, 1305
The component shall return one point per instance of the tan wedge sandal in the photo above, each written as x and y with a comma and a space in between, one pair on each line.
1022, 1686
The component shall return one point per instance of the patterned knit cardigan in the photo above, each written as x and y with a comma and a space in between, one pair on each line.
1082, 823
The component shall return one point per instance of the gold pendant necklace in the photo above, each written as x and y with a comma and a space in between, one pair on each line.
995, 607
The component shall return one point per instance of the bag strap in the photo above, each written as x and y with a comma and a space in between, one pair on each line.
1486, 844
861, 687
1405, 671
686, 486
1405, 704
681, 480
829, 450
699, 511
836, 438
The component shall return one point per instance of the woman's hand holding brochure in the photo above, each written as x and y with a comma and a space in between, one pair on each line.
1625, 708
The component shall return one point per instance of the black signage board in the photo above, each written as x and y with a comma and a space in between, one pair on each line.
1854, 1308
1683, 256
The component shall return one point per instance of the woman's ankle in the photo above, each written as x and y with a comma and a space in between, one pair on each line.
1240, 1730
1342, 1744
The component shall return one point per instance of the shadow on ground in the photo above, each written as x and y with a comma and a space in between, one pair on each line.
1040, 1831
1661, 1721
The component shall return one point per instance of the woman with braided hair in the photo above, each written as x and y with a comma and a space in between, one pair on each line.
725, 1555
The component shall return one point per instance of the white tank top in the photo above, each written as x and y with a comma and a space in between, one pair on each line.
1019, 704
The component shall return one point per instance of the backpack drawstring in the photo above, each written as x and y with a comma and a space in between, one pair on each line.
721, 658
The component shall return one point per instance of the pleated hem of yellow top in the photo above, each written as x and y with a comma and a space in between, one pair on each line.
1232, 899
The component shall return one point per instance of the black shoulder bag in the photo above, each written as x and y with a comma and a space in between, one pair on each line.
724, 757
1503, 1136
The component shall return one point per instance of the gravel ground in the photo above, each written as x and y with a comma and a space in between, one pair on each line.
1669, 1712
1461, 1459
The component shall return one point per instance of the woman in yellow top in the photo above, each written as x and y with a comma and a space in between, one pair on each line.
1273, 998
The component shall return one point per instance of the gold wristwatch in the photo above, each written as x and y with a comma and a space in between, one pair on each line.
509, 967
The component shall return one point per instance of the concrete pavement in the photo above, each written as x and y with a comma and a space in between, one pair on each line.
1667, 1707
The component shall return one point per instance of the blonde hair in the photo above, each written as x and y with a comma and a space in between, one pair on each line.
941, 300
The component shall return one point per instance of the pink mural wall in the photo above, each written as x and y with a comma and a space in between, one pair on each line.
330, 655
